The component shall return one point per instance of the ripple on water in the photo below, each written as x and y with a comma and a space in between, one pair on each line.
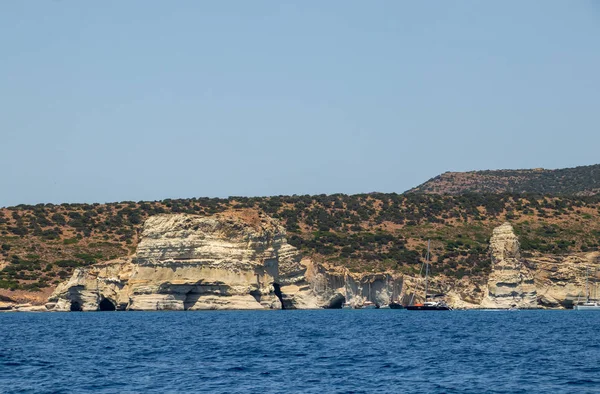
301, 351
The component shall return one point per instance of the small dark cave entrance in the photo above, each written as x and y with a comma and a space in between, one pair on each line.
75, 306
567, 304
278, 293
106, 305
337, 303
256, 294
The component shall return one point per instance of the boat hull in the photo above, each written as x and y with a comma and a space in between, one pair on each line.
594, 307
427, 308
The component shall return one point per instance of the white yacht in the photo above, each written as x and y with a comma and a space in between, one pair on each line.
346, 304
588, 305
368, 305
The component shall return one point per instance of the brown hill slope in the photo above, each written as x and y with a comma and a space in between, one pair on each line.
578, 181
41, 245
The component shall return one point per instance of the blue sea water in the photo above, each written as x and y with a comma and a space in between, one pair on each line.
323, 351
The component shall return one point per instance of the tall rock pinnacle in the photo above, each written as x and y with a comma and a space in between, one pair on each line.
510, 283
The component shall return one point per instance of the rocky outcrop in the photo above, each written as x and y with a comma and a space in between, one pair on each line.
241, 260
538, 281
235, 260
9, 305
336, 285
510, 283
561, 280
229, 261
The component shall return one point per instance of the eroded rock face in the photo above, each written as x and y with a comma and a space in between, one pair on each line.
233, 260
561, 280
335, 285
511, 283
240, 260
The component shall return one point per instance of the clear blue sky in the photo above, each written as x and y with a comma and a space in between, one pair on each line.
144, 100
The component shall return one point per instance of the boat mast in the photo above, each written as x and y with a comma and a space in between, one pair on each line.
592, 284
427, 271
346, 288
587, 284
412, 297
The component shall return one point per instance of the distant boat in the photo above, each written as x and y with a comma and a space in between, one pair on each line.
369, 304
588, 305
429, 306
392, 304
439, 305
346, 304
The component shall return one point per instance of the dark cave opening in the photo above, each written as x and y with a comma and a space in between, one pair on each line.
106, 305
75, 306
567, 304
337, 303
256, 294
279, 294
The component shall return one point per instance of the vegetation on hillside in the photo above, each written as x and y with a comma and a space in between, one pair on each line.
582, 181
41, 245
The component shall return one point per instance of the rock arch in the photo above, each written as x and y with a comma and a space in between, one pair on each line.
336, 302
106, 305
278, 293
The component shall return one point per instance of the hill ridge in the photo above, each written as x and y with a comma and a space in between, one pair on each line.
576, 181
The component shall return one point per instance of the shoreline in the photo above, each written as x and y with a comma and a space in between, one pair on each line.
43, 309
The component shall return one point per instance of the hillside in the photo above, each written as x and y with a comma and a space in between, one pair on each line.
578, 181
41, 245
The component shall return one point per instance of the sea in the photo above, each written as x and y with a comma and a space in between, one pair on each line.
300, 351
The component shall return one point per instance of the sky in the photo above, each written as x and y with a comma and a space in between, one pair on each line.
147, 100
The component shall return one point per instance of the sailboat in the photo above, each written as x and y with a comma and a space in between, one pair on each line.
346, 304
387, 287
393, 303
428, 305
588, 305
369, 304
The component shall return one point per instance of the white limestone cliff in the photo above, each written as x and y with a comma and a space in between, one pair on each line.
561, 279
235, 260
241, 260
510, 283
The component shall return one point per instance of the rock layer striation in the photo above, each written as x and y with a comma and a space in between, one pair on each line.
188, 262
510, 283
241, 260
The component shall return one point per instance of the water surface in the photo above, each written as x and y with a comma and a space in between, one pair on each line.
324, 351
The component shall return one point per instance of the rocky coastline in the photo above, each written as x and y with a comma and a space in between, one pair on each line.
233, 261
